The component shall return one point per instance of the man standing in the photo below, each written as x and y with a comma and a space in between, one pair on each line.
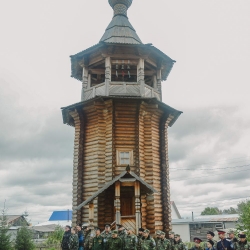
73, 240
114, 243
210, 236
148, 243
80, 236
106, 235
139, 238
178, 244
90, 234
157, 237
242, 244
66, 238
197, 244
163, 243
130, 240
171, 238
121, 231
98, 242
232, 238
223, 243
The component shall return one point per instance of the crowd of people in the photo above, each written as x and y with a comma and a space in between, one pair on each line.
93, 238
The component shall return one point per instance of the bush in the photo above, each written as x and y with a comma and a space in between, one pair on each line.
24, 239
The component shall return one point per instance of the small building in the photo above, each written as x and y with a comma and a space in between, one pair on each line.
198, 227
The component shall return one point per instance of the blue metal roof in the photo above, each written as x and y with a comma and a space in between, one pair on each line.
61, 215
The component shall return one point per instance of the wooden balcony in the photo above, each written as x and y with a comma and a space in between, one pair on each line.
121, 89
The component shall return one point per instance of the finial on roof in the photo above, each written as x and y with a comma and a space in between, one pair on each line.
120, 7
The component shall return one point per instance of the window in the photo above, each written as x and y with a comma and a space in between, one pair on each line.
124, 157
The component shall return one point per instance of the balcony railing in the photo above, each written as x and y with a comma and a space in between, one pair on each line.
121, 89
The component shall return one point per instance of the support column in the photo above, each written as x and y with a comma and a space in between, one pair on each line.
85, 75
137, 207
140, 76
159, 82
91, 212
117, 202
107, 75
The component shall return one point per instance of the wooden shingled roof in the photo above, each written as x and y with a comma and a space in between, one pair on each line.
121, 177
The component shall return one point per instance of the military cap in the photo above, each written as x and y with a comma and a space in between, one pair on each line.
211, 242
177, 235
107, 225
171, 232
141, 229
146, 231
84, 227
69, 227
163, 233
158, 232
98, 228
197, 240
230, 231
115, 232
242, 235
221, 232
119, 225
210, 232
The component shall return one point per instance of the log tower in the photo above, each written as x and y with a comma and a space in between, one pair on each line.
120, 121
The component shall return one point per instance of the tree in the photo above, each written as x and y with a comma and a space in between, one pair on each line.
24, 239
211, 211
231, 210
5, 242
244, 217
56, 236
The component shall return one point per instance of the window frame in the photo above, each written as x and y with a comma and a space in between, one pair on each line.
118, 157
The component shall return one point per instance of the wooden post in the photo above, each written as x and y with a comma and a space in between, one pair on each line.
107, 75
137, 207
159, 82
91, 212
85, 75
117, 203
140, 76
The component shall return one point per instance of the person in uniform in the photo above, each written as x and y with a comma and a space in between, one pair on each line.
139, 238
148, 243
114, 243
163, 243
73, 240
232, 238
178, 244
242, 244
157, 237
106, 234
197, 244
171, 238
210, 236
223, 243
66, 238
121, 231
130, 240
98, 241
90, 234
210, 245
80, 236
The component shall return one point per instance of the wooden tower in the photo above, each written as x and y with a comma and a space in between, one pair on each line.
120, 121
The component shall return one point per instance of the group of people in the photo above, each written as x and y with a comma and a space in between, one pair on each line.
224, 243
92, 238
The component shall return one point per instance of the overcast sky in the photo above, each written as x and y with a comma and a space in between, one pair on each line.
208, 145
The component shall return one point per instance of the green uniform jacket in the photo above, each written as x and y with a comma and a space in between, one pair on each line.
106, 237
197, 248
98, 243
89, 239
163, 244
148, 243
73, 242
179, 245
242, 245
114, 244
139, 238
130, 242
